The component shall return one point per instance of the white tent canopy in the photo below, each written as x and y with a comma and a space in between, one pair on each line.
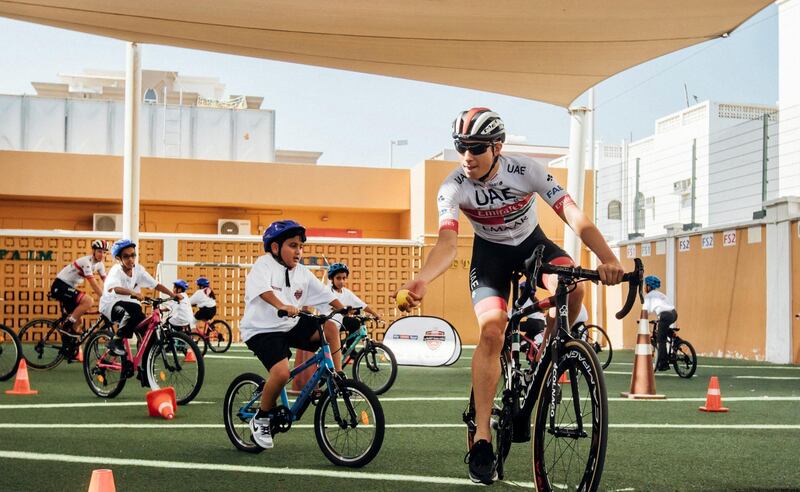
549, 51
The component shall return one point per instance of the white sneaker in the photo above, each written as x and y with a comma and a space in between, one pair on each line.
262, 434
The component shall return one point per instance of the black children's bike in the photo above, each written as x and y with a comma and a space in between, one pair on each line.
680, 353
568, 420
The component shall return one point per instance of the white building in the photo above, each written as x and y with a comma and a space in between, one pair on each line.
182, 117
789, 96
721, 145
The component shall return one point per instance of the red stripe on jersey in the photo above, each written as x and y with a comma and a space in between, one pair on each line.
449, 225
563, 202
491, 304
80, 270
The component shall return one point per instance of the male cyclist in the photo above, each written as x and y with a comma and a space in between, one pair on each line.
64, 287
658, 303
497, 193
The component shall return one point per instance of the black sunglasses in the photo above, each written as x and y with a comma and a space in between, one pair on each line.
473, 148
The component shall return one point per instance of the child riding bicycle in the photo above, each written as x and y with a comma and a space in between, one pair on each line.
122, 293
205, 300
658, 303
337, 274
181, 318
278, 281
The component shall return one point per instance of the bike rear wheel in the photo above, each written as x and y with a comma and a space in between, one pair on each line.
239, 406
570, 453
355, 437
10, 353
376, 367
42, 349
218, 336
200, 341
104, 381
166, 365
685, 362
597, 338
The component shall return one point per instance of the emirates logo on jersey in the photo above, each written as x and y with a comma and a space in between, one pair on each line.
298, 294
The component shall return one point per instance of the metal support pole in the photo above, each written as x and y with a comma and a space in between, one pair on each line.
693, 224
760, 214
131, 162
575, 174
637, 207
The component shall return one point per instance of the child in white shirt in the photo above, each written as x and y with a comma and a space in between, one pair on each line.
278, 281
205, 300
337, 274
656, 302
181, 317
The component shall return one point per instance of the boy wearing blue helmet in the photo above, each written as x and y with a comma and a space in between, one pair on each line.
181, 315
278, 281
205, 300
122, 293
658, 303
337, 274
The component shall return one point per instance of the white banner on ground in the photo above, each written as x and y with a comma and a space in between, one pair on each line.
423, 341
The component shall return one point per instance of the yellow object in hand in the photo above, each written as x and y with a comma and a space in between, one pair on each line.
403, 298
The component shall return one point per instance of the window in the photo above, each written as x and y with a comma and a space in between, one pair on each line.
150, 96
614, 210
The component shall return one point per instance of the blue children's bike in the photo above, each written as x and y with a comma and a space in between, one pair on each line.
348, 420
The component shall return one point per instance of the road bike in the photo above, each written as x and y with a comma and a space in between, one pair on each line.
215, 335
47, 343
348, 420
566, 422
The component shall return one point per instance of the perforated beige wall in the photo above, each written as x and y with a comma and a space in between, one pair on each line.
30, 264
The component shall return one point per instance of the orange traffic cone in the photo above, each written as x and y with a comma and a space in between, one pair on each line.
190, 357
713, 397
102, 481
22, 386
564, 378
643, 380
161, 402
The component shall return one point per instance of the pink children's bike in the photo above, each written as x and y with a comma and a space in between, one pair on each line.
163, 357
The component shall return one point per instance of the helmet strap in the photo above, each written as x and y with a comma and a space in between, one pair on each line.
491, 168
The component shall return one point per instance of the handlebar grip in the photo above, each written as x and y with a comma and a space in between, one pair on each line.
634, 280
282, 313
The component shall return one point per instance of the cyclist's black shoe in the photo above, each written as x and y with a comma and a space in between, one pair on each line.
482, 468
115, 346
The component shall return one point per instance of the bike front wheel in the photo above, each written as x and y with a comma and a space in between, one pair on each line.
597, 338
349, 423
685, 362
241, 403
218, 336
570, 421
42, 349
376, 367
10, 353
101, 368
176, 361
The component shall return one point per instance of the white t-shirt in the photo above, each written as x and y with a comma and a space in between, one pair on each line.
201, 299
346, 297
84, 267
656, 302
181, 314
117, 278
267, 275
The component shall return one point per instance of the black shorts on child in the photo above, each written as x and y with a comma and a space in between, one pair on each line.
271, 348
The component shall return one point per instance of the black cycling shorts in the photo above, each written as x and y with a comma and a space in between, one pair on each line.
271, 348
493, 264
67, 295
205, 313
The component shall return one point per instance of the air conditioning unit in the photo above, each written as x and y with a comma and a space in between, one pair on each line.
233, 227
107, 222
682, 187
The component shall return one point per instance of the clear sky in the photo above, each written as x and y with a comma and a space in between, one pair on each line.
352, 117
